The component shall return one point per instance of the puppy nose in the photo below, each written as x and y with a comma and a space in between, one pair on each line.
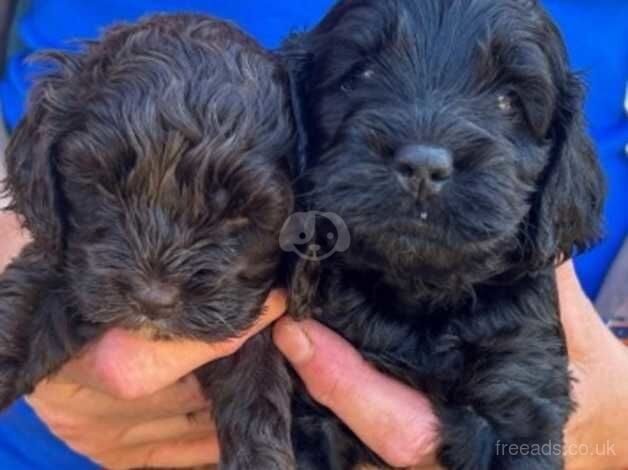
423, 169
157, 296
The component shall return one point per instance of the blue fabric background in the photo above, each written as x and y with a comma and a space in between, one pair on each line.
597, 36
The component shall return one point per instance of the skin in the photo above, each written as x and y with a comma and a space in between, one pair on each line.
128, 402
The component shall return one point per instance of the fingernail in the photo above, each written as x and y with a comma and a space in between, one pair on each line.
293, 342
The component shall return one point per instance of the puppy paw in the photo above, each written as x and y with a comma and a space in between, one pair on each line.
468, 441
474, 442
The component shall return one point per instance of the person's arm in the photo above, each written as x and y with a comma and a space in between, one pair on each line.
128, 402
396, 422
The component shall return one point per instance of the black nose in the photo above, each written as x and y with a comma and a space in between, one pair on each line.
157, 297
423, 169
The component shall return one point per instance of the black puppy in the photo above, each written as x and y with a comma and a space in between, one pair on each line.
151, 170
448, 136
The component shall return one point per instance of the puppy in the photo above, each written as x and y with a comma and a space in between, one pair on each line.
151, 170
448, 135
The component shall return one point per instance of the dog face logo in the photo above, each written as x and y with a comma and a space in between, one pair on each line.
314, 236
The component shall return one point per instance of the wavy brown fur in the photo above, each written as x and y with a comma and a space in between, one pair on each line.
152, 172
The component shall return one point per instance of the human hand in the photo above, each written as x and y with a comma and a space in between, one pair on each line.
398, 424
596, 435
392, 419
129, 402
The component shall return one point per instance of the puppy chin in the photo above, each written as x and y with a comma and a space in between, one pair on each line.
424, 262
421, 242
155, 330
142, 325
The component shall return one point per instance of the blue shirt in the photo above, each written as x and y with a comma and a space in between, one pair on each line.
596, 34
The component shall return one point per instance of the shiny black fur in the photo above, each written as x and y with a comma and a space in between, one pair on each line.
454, 292
152, 171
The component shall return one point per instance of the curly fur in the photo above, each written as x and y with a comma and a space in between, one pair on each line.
454, 293
152, 172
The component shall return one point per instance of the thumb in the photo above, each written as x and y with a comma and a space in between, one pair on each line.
583, 326
392, 419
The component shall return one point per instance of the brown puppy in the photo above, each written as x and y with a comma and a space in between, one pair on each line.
151, 171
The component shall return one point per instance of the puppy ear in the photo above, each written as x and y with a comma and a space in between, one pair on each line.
303, 288
31, 181
297, 60
569, 206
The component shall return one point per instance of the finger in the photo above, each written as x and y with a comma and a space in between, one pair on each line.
583, 326
569, 288
129, 366
190, 426
180, 453
392, 419
52, 398
95, 439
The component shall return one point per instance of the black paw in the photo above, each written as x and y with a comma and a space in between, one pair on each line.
472, 442
468, 440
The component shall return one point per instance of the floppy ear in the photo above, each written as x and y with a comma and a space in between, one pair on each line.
303, 287
297, 60
31, 181
569, 206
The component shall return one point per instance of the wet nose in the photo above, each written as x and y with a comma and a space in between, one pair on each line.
157, 296
423, 169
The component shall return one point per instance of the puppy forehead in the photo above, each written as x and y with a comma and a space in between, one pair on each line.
423, 46
150, 156
173, 109
432, 29
383, 11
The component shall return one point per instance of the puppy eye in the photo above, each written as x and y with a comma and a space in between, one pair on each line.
506, 103
203, 273
367, 74
354, 78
